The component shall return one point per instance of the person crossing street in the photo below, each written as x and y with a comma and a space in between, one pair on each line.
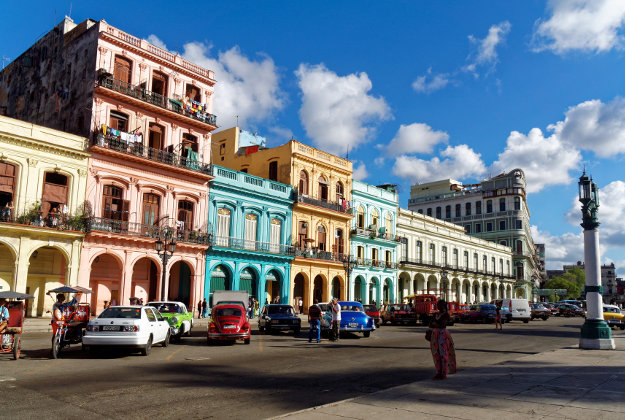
314, 319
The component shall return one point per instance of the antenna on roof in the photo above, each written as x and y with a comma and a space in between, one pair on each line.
70, 10
5, 59
347, 154
237, 120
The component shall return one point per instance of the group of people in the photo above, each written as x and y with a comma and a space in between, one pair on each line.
314, 320
202, 309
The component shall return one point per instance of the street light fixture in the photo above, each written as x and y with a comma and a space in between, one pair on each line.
348, 265
165, 251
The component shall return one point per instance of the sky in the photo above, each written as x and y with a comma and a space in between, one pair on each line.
412, 91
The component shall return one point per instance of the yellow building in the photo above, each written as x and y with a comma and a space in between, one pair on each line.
43, 176
321, 212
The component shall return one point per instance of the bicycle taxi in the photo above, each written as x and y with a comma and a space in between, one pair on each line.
70, 320
10, 338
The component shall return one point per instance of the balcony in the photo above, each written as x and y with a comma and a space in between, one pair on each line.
339, 207
374, 263
320, 255
246, 245
452, 267
156, 155
35, 217
99, 224
105, 80
375, 234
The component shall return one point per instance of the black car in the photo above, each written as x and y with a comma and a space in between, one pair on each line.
279, 317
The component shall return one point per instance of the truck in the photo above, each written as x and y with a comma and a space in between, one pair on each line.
425, 307
238, 297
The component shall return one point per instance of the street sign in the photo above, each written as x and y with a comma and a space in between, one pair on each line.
549, 292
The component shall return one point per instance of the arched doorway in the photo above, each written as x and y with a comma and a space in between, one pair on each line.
248, 280
336, 288
419, 284
388, 292
358, 288
180, 285
299, 290
374, 291
493, 291
432, 285
476, 292
46, 270
485, 292
105, 281
145, 280
7, 266
318, 288
401, 289
467, 292
221, 279
273, 290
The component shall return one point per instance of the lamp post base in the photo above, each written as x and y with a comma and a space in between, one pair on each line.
596, 335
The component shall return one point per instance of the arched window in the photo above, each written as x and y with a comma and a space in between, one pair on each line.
113, 207
447, 212
223, 226
150, 209
185, 215
360, 220
321, 238
375, 219
323, 188
303, 182
339, 192
275, 237
251, 227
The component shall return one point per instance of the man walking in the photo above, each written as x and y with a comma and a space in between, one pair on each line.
314, 319
336, 319
204, 308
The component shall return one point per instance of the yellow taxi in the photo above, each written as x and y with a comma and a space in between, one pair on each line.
613, 316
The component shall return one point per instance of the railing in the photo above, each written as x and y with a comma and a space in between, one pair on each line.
374, 233
342, 208
320, 255
439, 266
100, 224
247, 245
281, 189
374, 263
153, 98
157, 155
34, 216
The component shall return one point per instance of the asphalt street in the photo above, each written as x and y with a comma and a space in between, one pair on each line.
275, 374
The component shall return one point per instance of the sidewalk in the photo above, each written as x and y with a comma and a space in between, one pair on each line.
566, 383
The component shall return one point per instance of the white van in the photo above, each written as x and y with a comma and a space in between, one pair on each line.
519, 309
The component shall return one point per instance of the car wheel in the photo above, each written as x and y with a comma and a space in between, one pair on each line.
377, 325
296, 331
167, 338
148, 347
384, 322
56, 347
269, 330
525, 321
17, 347
246, 341
209, 342
366, 334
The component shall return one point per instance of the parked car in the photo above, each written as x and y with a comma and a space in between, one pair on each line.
461, 312
398, 313
568, 310
279, 317
551, 307
127, 326
372, 311
353, 319
613, 316
229, 322
483, 312
519, 309
537, 310
179, 318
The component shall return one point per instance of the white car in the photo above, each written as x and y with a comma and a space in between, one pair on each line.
128, 326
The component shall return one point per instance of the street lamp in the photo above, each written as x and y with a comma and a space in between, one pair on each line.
595, 334
444, 284
348, 265
165, 251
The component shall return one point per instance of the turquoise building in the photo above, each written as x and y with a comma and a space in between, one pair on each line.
250, 245
374, 243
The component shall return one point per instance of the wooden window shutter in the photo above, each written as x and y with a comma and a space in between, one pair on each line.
125, 210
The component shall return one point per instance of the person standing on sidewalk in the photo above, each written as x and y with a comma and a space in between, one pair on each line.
204, 308
314, 319
336, 319
498, 325
441, 343
199, 309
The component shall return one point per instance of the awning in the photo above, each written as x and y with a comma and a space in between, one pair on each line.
9, 294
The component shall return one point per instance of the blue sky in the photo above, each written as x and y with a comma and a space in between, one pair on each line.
415, 90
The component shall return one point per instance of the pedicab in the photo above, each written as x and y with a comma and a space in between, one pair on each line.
69, 320
10, 338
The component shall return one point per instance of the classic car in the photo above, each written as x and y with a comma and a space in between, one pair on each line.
567, 309
398, 313
373, 312
613, 316
483, 312
353, 319
538, 310
229, 322
127, 326
551, 307
279, 317
179, 318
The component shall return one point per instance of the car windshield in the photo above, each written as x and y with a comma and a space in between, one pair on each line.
167, 308
487, 307
228, 312
353, 308
324, 307
286, 310
613, 310
127, 313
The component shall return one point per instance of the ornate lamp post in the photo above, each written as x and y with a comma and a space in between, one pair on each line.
165, 251
348, 265
444, 280
595, 334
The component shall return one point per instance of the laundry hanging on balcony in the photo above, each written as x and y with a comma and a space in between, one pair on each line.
127, 137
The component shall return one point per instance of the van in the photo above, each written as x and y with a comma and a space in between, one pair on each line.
519, 309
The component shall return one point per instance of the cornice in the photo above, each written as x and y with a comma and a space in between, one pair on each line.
44, 146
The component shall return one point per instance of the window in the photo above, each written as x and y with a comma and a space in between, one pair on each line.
159, 86
251, 225
444, 255
489, 226
374, 218
338, 242
501, 266
150, 314
489, 206
455, 258
438, 213
273, 170
388, 224
185, 215
467, 228
485, 263
508, 266
388, 258
54, 192
447, 212
302, 234
432, 254
122, 70
155, 140
467, 209
420, 211
339, 192
502, 225
466, 260
193, 93
503, 242
222, 149
374, 255
519, 247
478, 207
478, 227
113, 207
360, 220
150, 209
189, 150
458, 210
360, 252
223, 226
518, 224
419, 251
8, 176
118, 121
519, 272
492, 263
276, 235
244, 170
429, 211
323, 188
303, 182
502, 204
517, 203
321, 238
475, 260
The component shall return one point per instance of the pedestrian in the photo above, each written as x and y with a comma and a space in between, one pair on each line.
199, 309
204, 308
314, 319
441, 343
336, 319
498, 325
301, 306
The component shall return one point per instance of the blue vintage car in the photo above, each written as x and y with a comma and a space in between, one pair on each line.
279, 317
353, 319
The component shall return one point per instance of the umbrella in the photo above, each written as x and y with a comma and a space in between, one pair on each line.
9, 294
71, 289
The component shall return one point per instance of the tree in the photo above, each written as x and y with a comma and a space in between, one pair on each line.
570, 284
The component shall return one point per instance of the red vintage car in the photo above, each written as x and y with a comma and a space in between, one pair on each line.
228, 322
372, 311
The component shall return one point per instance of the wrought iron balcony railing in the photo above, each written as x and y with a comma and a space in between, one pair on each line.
452, 267
320, 255
100, 224
36, 217
374, 263
246, 245
375, 233
340, 207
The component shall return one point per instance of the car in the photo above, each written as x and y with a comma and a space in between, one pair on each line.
568, 310
613, 316
398, 313
551, 307
373, 312
137, 327
279, 317
353, 319
538, 310
483, 312
179, 318
229, 322
514, 309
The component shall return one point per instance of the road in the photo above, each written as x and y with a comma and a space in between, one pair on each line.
275, 374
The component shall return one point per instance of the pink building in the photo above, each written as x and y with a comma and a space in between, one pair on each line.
147, 113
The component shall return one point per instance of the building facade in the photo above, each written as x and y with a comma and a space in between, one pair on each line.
250, 246
608, 279
43, 175
321, 212
147, 114
374, 244
438, 257
495, 210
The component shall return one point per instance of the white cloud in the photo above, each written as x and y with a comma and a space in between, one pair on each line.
560, 250
245, 88
458, 162
337, 111
436, 82
486, 53
546, 161
415, 138
360, 171
157, 42
585, 25
379, 161
593, 125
